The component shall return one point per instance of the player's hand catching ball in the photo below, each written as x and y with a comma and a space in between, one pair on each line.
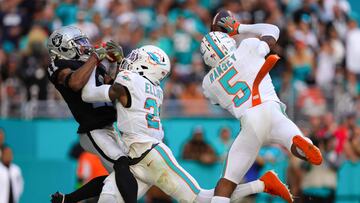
114, 51
230, 25
100, 53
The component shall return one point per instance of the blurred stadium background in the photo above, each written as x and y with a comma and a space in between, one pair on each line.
317, 78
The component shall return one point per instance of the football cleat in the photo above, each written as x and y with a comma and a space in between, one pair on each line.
57, 198
311, 152
274, 186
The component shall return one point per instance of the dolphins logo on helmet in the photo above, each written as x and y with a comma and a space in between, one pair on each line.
156, 57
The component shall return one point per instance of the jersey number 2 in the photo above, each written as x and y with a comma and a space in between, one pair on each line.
235, 88
150, 117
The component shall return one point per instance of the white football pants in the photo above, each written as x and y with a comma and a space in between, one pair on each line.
264, 123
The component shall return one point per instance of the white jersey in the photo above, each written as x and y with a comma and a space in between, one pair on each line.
140, 122
230, 83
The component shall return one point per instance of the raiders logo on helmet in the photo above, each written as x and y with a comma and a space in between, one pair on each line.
57, 40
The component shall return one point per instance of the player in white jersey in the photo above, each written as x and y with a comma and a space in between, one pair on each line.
138, 98
239, 82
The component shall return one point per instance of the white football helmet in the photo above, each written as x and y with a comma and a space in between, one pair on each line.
149, 61
69, 42
215, 46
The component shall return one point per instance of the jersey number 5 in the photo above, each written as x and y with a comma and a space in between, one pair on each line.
235, 88
150, 117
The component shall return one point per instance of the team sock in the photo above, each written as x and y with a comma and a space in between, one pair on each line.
247, 189
218, 199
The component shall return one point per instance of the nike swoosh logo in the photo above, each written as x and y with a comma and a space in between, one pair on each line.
149, 163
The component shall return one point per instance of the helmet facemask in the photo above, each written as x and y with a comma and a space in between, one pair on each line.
126, 63
147, 64
83, 48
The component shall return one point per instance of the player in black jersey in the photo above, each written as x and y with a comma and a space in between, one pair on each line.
72, 61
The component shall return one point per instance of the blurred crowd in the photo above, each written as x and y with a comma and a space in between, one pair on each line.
319, 45
317, 76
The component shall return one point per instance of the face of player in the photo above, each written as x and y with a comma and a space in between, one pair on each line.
84, 45
7, 156
198, 136
2, 137
355, 142
225, 134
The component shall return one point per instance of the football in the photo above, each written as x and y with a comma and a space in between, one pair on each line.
110, 57
217, 18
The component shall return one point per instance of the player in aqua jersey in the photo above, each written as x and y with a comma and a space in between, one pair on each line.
239, 82
138, 97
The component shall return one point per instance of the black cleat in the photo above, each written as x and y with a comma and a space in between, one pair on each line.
57, 198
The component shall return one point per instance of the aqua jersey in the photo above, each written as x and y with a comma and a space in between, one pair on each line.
141, 121
230, 83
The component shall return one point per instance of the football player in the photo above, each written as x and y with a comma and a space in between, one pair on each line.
72, 61
239, 82
138, 97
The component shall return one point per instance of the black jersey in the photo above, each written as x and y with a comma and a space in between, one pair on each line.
90, 116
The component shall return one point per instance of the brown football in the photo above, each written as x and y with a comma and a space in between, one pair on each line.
217, 18
110, 57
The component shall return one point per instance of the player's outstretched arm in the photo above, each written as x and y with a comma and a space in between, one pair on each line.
76, 80
267, 32
92, 93
105, 93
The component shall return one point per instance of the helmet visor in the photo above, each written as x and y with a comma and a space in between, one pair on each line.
84, 45
83, 41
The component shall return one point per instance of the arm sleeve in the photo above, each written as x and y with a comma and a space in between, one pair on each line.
93, 93
261, 29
